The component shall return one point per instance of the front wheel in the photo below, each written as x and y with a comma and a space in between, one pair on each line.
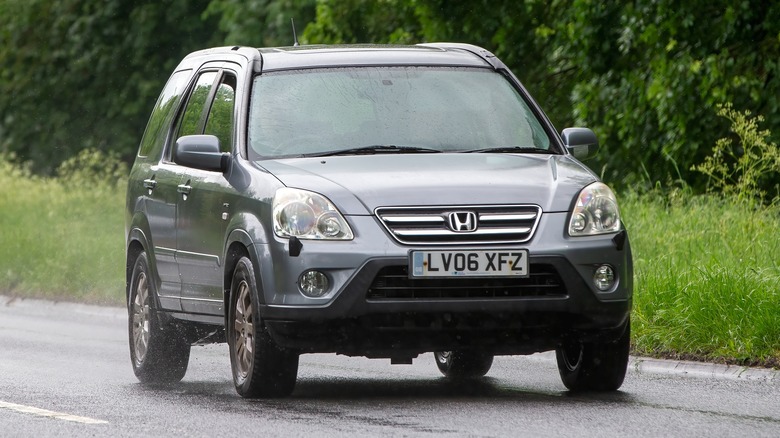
595, 366
157, 350
260, 367
463, 364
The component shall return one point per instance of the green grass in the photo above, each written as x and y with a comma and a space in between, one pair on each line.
61, 240
707, 272
707, 279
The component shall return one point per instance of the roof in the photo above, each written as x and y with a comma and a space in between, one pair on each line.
329, 56
315, 56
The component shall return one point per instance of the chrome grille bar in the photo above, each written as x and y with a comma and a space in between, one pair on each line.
431, 225
439, 232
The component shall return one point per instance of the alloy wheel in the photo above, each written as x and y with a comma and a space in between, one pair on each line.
572, 354
244, 333
141, 318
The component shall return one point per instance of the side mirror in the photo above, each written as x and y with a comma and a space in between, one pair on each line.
581, 142
200, 152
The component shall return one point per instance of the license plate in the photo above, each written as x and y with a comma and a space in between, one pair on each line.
459, 263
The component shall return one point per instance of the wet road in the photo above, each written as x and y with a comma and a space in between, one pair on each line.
65, 371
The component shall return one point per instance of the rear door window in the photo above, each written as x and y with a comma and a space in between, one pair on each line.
157, 129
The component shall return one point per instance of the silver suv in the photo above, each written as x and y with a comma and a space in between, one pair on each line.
379, 201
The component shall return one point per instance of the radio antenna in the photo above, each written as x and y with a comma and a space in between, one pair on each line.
295, 36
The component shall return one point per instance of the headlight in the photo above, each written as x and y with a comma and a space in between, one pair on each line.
596, 212
308, 215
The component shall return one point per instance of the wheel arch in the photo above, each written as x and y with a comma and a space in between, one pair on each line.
136, 244
239, 244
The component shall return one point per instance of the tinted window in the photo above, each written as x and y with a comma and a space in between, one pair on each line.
449, 109
191, 121
220, 119
162, 115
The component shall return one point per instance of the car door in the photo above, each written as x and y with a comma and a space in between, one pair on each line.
202, 206
155, 184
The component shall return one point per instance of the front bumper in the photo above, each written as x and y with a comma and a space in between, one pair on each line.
354, 319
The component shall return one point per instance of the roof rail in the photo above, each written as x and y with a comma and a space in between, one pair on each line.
484, 54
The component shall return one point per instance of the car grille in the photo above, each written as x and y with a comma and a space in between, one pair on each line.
432, 225
393, 282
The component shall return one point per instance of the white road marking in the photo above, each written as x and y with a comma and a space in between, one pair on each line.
49, 414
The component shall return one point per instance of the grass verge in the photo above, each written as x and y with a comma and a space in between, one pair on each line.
707, 273
61, 239
707, 279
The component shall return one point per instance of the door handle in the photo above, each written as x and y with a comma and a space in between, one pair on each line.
184, 189
150, 183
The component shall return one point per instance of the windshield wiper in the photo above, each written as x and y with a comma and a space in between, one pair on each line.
510, 149
374, 149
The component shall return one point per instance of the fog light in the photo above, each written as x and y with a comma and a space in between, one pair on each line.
604, 278
313, 284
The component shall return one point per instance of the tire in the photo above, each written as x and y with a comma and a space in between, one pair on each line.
463, 364
158, 352
598, 366
260, 367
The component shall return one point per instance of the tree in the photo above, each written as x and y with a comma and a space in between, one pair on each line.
85, 73
260, 23
645, 75
652, 73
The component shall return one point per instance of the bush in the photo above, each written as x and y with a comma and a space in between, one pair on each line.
742, 170
93, 167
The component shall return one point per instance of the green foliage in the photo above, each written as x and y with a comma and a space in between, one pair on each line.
651, 73
707, 277
92, 167
85, 73
742, 170
358, 21
645, 75
260, 23
61, 240
520, 33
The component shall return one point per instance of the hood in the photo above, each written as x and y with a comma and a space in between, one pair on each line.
359, 184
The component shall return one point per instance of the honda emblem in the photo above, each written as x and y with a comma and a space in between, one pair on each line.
463, 221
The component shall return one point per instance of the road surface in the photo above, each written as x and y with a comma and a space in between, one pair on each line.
65, 371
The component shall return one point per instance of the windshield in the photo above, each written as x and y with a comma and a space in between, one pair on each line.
399, 109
